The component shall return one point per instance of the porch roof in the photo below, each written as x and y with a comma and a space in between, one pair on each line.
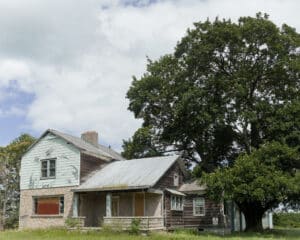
128, 175
192, 186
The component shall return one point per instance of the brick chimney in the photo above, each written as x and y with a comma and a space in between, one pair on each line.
90, 137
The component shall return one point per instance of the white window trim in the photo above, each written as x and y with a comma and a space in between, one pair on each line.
48, 168
194, 206
175, 208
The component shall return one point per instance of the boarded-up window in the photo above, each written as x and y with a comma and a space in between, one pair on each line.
49, 205
199, 206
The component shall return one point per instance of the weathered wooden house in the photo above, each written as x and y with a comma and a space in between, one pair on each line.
63, 176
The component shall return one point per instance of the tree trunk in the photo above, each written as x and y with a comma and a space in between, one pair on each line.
253, 219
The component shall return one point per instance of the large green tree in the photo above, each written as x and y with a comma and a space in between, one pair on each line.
10, 161
228, 98
141, 145
225, 90
258, 181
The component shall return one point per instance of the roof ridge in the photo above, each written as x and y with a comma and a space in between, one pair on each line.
107, 151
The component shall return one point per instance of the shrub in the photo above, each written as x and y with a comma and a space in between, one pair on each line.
73, 222
287, 220
135, 226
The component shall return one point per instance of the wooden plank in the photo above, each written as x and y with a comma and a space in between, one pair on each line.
139, 204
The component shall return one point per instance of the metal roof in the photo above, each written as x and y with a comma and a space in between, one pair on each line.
172, 191
192, 186
100, 151
131, 174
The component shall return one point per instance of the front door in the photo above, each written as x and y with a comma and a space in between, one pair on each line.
139, 204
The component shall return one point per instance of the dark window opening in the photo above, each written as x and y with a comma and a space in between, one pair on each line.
48, 168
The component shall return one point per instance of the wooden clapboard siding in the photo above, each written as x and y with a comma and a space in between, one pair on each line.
67, 164
89, 164
212, 209
186, 218
167, 180
173, 218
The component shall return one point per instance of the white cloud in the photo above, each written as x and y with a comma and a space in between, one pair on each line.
77, 58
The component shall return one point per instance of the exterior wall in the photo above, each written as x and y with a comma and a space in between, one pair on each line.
173, 219
27, 218
167, 181
186, 218
67, 164
89, 164
146, 223
153, 205
212, 210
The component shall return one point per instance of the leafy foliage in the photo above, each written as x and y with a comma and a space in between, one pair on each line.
287, 220
258, 181
10, 160
135, 226
140, 145
227, 88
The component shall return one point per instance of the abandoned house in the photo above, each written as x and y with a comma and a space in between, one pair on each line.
63, 177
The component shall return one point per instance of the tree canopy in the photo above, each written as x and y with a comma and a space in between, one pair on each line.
10, 161
228, 98
258, 181
223, 91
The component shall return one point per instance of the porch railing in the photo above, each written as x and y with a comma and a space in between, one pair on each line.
146, 223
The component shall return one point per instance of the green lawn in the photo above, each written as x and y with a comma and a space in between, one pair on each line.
74, 235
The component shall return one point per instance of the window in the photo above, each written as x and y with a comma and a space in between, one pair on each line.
176, 203
49, 205
48, 167
199, 206
176, 180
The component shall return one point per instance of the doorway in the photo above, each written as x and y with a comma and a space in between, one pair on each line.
139, 206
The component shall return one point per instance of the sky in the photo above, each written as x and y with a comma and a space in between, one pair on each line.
67, 65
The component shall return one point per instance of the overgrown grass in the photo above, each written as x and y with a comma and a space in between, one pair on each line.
287, 220
61, 234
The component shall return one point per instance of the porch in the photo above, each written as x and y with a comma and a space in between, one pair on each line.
119, 208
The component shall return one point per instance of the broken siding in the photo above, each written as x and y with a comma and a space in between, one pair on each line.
67, 164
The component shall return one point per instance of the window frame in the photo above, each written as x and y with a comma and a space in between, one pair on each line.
48, 168
61, 205
176, 203
176, 179
194, 206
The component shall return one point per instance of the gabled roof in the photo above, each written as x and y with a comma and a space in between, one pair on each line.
131, 174
192, 187
100, 151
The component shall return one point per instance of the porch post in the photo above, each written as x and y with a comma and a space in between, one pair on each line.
75, 205
108, 205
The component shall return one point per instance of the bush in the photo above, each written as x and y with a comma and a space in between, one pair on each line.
73, 222
287, 220
135, 226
